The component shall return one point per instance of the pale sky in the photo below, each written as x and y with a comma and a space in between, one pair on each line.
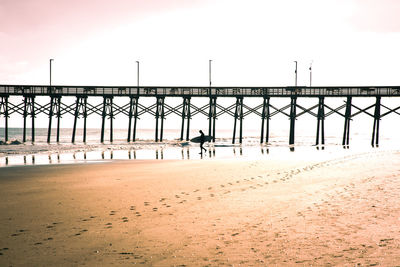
251, 42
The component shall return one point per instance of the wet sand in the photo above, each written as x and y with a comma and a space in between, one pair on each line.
341, 210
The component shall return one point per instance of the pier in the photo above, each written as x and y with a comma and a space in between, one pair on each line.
82, 108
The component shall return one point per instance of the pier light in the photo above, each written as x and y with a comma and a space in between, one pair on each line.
310, 68
295, 73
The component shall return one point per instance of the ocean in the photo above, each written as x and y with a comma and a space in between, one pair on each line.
40, 152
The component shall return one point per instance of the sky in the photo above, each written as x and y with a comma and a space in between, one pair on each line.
251, 42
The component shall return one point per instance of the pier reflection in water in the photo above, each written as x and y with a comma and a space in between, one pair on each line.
184, 153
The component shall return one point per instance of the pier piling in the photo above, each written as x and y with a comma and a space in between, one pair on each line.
80, 109
320, 122
159, 117
265, 117
377, 118
185, 115
212, 114
29, 109
55, 107
347, 118
293, 104
107, 112
4, 112
238, 116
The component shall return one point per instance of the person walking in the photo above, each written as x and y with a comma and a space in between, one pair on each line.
202, 140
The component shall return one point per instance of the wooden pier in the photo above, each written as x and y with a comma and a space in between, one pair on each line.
160, 110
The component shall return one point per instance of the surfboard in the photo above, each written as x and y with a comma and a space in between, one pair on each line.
196, 139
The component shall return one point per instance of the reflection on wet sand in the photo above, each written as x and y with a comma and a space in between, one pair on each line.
161, 152
183, 153
240, 151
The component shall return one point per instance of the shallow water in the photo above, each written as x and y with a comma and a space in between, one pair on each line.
171, 148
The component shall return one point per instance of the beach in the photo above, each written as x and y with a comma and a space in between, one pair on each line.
335, 210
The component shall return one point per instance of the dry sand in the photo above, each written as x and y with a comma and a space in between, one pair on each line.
344, 210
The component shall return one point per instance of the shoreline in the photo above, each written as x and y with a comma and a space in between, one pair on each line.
331, 210
90, 155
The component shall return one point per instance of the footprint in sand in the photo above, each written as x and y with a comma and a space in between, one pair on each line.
177, 196
112, 213
162, 199
197, 190
155, 209
133, 208
125, 219
1, 253
209, 188
211, 195
146, 203
222, 185
38, 243
138, 214
198, 198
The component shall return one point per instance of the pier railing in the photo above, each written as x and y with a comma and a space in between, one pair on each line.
179, 91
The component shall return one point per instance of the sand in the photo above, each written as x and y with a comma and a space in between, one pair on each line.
336, 210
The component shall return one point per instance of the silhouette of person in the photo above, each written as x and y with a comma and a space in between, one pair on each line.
202, 140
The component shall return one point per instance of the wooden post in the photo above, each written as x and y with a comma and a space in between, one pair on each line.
25, 114
347, 117
130, 116
238, 116
159, 114
58, 118
185, 115
103, 120
32, 101
377, 117
212, 114
50, 117
4, 111
75, 118
320, 122
84, 118
292, 119
136, 102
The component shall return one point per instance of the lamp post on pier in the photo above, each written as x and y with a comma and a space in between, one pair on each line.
209, 72
310, 72
51, 60
138, 63
295, 73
